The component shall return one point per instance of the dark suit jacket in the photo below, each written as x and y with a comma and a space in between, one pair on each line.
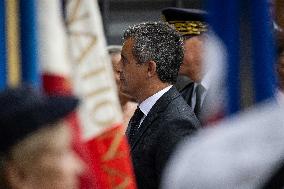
186, 92
167, 123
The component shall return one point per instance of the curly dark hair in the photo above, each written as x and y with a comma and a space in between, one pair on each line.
158, 42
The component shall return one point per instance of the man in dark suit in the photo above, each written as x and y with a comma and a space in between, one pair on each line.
191, 24
150, 59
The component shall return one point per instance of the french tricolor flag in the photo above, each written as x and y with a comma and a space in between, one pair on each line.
74, 60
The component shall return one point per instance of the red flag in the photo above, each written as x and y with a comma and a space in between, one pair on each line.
100, 111
56, 70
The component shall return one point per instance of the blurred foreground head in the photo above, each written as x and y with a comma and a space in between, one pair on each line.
35, 143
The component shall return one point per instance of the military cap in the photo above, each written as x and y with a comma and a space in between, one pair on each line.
186, 21
24, 110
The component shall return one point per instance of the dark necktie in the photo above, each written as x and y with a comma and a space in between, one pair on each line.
134, 124
198, 103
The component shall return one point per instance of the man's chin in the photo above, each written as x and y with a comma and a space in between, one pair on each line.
124, 92
127, 96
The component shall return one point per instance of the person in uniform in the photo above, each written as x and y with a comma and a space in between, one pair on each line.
191, 24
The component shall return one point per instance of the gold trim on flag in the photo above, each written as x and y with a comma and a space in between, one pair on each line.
13, 56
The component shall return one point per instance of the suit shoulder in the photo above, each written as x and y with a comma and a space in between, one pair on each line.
179, 113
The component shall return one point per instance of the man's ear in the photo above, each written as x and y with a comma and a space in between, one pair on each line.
152, 69
15, 176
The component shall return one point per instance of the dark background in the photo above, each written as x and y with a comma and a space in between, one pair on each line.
117, 15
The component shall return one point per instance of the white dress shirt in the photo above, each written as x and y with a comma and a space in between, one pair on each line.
147, 104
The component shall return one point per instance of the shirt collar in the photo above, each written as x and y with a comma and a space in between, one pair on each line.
147, 104
206, 81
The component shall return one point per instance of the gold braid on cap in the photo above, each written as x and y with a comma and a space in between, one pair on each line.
189, 27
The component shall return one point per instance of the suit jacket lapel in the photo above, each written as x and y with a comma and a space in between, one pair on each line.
187, 92
154, 113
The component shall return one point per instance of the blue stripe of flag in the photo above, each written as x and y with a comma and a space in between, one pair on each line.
29, 47
224, 19
263, 50
3, 58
